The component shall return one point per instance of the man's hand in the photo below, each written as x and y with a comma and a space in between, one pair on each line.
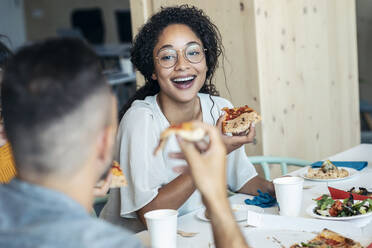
237, 140
208, 170
208, 165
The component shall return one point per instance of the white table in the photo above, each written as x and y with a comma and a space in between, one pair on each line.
265, 237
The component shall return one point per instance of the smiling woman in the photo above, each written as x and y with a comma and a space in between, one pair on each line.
177, 52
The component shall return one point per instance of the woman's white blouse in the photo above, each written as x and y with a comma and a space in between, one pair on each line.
138, 135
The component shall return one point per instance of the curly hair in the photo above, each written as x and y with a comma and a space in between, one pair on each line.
147, 37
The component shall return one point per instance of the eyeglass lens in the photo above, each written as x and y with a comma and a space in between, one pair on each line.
168, 57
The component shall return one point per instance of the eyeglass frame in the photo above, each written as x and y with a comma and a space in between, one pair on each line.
184, 54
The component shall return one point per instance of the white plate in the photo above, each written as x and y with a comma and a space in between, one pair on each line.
240, 212
352, 172
310, 211
258, 237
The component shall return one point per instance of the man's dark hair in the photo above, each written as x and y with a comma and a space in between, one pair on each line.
54, 98
5, 52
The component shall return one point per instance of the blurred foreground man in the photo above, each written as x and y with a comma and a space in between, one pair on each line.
60, 118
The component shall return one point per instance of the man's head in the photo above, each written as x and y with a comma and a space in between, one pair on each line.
59, 113
5, 54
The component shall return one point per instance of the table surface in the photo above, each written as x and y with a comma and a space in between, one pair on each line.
260, 237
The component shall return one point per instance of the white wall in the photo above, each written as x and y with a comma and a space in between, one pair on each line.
12, 22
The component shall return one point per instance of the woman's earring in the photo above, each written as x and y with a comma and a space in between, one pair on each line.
154, 77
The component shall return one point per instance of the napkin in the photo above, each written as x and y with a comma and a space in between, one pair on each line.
341, 194
270, 221
263, 200
358, 165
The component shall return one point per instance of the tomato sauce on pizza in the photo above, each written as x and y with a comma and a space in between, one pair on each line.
236, 112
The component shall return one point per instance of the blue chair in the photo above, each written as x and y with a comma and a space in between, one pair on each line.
264, 161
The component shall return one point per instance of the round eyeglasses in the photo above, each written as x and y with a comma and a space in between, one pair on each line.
168, 57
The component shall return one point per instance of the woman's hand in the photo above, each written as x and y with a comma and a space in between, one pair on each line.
237, 140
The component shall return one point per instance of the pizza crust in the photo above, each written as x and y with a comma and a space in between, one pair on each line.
241, 123
185, 130
118, 177
118, 181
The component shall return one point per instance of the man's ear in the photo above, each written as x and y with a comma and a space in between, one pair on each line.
154, 77
105, 146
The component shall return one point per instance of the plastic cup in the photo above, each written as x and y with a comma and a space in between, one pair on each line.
288, 192
162, 226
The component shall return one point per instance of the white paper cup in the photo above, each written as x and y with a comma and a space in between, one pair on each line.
288, 192
162, 226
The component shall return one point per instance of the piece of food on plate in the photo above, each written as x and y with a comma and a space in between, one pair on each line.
360, 191
187, 131
326, 206
118, 177
328, 166
329, 239
238, 120
327, 171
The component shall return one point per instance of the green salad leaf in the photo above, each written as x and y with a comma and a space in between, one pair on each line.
325, 202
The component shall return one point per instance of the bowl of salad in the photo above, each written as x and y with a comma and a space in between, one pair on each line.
327, 208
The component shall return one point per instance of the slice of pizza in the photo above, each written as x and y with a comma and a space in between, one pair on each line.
329, 239
118, 177
186, 131
238, 120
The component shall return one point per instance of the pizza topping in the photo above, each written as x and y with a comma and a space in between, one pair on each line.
331, 242
184, 126
329, 239
237, 121
118, 178
115, 169
235, 112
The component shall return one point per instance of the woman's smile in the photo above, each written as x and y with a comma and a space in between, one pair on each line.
183, 82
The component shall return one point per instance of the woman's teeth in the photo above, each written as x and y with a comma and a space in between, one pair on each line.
183, 80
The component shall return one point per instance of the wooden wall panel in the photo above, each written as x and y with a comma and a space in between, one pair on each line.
296, 63
308, 77
141, 10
